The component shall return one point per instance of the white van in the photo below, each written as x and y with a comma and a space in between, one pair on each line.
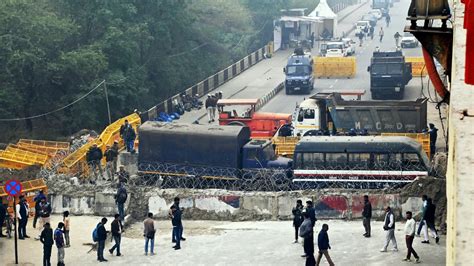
335, 49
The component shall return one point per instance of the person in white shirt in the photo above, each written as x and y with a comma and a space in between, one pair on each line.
410, 228
22, 210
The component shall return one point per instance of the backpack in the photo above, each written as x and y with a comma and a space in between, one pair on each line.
95, 234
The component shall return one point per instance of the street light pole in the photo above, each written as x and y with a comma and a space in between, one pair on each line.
107, 99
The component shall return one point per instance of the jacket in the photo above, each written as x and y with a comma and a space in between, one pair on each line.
101, 232
176, 216
94, 154
59, 238
323, 240
429, 216
148, 227
367, 212
389, 222
297, 216
22, 210
110, 154
306, 228
208, 102
312, 215
45, 209
128, 133
3, 211
47, 237
116, 228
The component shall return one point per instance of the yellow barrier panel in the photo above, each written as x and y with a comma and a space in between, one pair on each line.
18, 159
285, 145
57, 145
417, 66
335, 67
107, 137
422, 138
37, 149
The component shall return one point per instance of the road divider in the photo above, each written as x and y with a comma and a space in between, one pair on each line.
265, 99
334, 67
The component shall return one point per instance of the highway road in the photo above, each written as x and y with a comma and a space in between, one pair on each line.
260, 79
283, 103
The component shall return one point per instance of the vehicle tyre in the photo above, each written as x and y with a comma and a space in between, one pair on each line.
236, 123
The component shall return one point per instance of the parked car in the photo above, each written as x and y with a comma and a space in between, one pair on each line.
349, 46
376, 13
362, 27
408, 40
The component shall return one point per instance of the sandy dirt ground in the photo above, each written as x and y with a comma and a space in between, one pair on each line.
227, 243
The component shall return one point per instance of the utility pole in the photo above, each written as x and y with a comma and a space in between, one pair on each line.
107, 99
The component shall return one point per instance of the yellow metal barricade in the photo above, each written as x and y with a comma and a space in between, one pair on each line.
422, 138
335, 67
417, 66
285, 145
56, 145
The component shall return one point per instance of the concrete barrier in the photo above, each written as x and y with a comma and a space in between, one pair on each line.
238, 205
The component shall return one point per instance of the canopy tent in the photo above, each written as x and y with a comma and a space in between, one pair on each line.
328, 16
295, 28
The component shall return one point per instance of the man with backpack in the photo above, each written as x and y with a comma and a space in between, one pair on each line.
100, 235
59, 239
120, 199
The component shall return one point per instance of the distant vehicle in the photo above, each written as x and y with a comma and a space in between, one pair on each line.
362, 27
362, 161
299, 73
262, 125
389, 73
371, 19
383, 5
323, 49
377, 13
408, 40
335, 49
349, 46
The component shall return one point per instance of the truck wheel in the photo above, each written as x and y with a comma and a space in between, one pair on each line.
236, 123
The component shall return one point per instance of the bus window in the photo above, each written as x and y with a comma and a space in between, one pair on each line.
358, 161
395, 161
298, 161
313, 160
411, 161
336, 160
380, 161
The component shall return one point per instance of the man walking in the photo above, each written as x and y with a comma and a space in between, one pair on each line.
410, 227
433, 136
101, 237
297, 217
424, 198
59, 239
117, 229
306, 232
208, 105
429, 219
120, 199
46, 239
93, 157
367, 215
149, 233
45, 213
110, 159
176, 206
37, 200
397, 39
311, 212
323, 245
22, 210
381, 34
389, 227
123, 175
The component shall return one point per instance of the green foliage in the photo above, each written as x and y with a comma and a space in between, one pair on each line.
54, 51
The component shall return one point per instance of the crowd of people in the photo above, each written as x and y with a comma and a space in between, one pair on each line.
304, 220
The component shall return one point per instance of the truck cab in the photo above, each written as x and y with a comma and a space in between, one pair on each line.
242, 112
299, 73
260, 154
335, 49
389, 74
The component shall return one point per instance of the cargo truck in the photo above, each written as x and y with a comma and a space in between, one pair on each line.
330, 112
204, 151
389, 74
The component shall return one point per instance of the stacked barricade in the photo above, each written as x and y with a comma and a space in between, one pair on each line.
422, 138
418, 68
335, 67
285, 145
30, 152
